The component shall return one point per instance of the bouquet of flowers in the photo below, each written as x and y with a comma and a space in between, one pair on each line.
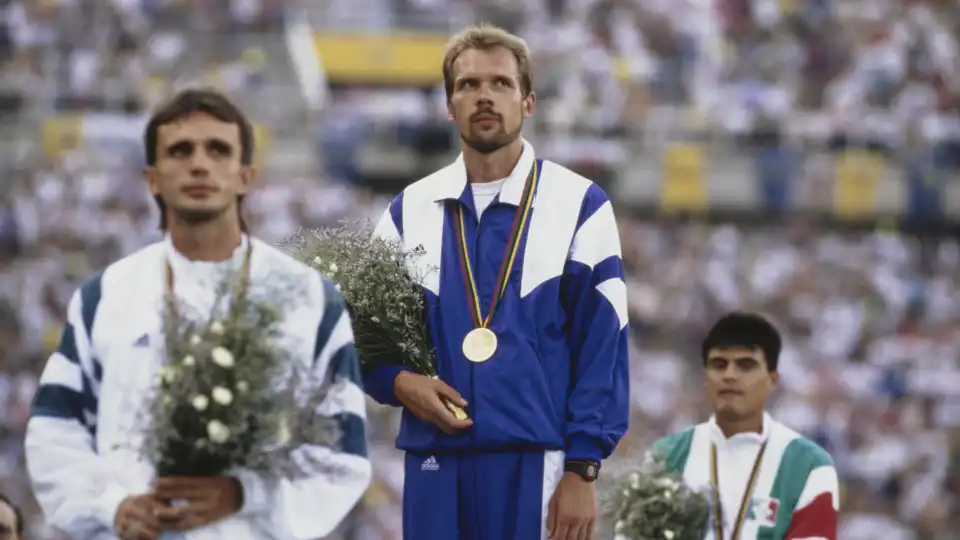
231, 395
381, 284
651, 504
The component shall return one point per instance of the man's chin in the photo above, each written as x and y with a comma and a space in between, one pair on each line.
488, 144
728, 411
197, 216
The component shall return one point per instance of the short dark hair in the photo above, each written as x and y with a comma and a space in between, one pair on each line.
17, 513
193, 101
749, 330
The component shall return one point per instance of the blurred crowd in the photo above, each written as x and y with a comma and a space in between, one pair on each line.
863, 68
871, 369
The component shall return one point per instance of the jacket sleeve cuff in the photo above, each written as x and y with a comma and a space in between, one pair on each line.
582, 447
110, 501
378, 383
256, 495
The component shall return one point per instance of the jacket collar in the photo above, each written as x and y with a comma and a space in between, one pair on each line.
717, 436
453, 179
179, 262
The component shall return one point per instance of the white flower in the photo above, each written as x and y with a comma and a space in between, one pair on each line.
218, 432
242, 386
195, 340
216, 328
167, 374
668, 534
222, 357
188, 360
619, 525
317, 261
336, 286
668, 483
668, 494
635, 480
200, 403
222, 396
333, 268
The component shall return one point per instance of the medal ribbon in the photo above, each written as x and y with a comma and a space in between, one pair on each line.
510, 253
744, 503
243, 281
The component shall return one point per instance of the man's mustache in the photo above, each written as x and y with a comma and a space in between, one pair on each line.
484, 112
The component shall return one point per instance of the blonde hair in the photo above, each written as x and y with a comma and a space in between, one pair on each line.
486, 37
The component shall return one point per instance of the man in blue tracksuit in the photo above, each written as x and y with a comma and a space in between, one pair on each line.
528, 313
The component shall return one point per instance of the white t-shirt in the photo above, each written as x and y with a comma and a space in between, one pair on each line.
484, 193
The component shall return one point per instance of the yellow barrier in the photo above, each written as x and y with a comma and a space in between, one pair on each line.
399, 59
857, 176
62, 134
261, 138
682, 185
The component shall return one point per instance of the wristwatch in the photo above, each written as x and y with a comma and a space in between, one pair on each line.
586, 469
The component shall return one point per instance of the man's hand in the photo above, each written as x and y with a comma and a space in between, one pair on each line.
424, 396
136, 518
573, 509
200, 500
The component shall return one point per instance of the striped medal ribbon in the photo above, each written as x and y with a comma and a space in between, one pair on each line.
744, 502
480, 343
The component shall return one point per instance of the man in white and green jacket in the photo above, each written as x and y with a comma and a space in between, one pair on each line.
768, 482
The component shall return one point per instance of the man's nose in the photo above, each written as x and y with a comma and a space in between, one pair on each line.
485, 95
731, 373
200, 163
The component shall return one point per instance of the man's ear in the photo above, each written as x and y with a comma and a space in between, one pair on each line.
529, 104
249, 175
774, 378
151, 176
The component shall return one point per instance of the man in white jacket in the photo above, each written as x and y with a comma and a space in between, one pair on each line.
82, 438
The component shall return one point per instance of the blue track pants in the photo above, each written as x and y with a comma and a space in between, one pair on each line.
478, 496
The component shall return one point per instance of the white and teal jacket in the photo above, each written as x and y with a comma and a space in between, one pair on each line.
83, 436
795, 496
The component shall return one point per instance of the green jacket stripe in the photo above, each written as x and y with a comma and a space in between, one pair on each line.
674, 449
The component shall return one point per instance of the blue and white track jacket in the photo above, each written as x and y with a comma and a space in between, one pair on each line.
559, 378
83, 435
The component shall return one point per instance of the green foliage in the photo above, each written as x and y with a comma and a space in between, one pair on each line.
232, 395
381, 284
651, 504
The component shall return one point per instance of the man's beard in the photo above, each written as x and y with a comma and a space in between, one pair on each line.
490, 145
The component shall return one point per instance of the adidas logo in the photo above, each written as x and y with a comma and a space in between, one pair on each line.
430, 464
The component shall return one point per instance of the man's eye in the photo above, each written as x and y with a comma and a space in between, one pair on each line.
181, 150
220, 149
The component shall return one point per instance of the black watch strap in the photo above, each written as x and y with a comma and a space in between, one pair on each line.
586, 469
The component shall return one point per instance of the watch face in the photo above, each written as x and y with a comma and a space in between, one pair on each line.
592, 471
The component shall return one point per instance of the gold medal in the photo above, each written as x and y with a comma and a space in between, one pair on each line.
479, 345
457, 410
